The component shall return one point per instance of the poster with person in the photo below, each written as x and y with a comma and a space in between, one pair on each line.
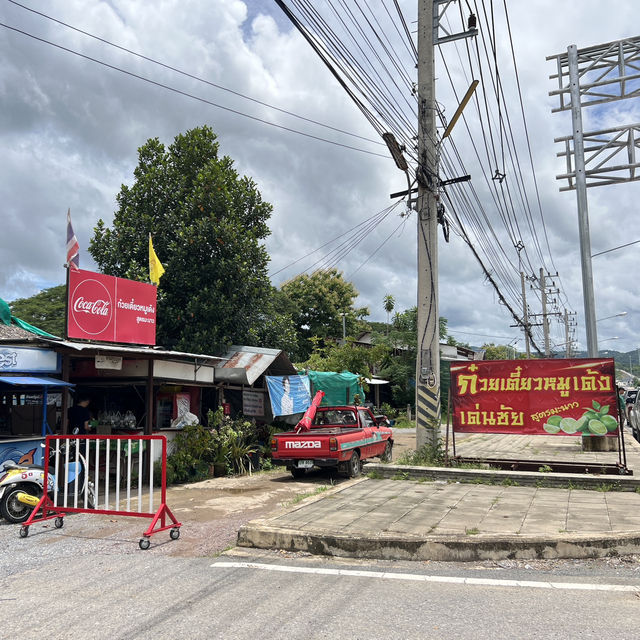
288, 394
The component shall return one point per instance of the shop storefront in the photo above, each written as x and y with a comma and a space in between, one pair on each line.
30, 401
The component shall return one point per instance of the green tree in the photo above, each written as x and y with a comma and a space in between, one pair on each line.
389, 305
208, 224
498, 352
44, 310
363, 361
318, 301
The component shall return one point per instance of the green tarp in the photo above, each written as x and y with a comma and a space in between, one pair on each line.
339, 388
7, 318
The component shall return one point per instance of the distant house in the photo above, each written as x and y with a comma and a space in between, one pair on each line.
447, 351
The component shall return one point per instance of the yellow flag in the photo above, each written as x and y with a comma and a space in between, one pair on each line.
155, 266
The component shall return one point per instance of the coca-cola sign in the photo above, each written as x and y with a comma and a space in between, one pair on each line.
110, 309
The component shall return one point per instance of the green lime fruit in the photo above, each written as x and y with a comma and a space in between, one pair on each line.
569, 425
555, 421
583, 424
591, 415
610, 422
551, 428
596, 427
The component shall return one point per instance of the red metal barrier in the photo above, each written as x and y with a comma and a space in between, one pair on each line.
87, 468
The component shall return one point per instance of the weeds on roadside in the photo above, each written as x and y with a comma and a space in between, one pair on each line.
308, 494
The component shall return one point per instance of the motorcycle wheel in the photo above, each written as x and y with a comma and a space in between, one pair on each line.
11, 509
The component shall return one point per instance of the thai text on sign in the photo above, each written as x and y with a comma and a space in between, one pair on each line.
550, 397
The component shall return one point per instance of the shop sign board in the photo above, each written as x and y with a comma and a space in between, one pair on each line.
252, 403
109, 362
109, 309
547, 397
25, 360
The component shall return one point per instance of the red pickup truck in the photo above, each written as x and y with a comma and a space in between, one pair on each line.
339, 437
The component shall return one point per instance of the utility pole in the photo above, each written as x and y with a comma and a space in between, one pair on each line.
525, 316
583, 208
590, 77
430, 13
545, 319
567, 349
428, 355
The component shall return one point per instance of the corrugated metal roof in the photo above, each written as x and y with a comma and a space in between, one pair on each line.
14, 333
91, 347
244, 365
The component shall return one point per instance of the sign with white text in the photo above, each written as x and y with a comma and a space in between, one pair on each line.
109, 309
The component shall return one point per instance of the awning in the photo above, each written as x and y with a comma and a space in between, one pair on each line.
28, 381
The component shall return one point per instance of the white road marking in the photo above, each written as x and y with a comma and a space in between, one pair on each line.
384, 575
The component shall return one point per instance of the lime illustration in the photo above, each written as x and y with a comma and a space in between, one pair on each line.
551, 428
570, 425
555, 421
583, 424
610, 422
597, 427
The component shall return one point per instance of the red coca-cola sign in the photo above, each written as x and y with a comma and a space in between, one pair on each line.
110, 309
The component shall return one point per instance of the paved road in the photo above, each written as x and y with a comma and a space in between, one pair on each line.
275, 595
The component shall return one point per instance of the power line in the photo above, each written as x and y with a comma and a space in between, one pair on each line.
192, 76
189, 95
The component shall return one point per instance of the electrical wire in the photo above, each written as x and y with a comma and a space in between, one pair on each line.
189, 95
192, 76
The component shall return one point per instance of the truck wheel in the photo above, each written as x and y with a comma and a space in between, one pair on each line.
354, 467
298, 473
386, 454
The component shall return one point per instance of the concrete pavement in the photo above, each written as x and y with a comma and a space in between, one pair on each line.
467, 514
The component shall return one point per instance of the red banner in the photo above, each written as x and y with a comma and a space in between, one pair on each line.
547, 397
110, 309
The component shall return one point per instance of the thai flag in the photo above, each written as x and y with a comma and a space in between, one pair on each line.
73, 258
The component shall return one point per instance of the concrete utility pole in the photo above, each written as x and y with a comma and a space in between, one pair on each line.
428, 354
545, 319
567, 348
430, 27
525, 316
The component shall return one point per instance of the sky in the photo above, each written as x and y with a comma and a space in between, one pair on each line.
70, 129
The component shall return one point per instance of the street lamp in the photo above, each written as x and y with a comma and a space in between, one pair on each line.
617, 315
606, 340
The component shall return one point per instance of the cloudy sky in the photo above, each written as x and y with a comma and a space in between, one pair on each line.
70, 128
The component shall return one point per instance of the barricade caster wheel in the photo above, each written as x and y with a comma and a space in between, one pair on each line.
144, 543
174, 534
58, 523
24, 532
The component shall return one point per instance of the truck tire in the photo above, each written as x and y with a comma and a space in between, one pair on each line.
354, 467
387, 453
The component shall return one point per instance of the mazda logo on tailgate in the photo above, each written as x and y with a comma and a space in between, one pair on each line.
307, 444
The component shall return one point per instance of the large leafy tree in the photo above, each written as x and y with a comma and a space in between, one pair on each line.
317, 304
44, 310
208, 224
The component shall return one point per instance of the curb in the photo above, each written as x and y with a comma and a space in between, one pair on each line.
450, 548
506, 478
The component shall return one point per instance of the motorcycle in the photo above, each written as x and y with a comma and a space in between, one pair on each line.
22, 486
